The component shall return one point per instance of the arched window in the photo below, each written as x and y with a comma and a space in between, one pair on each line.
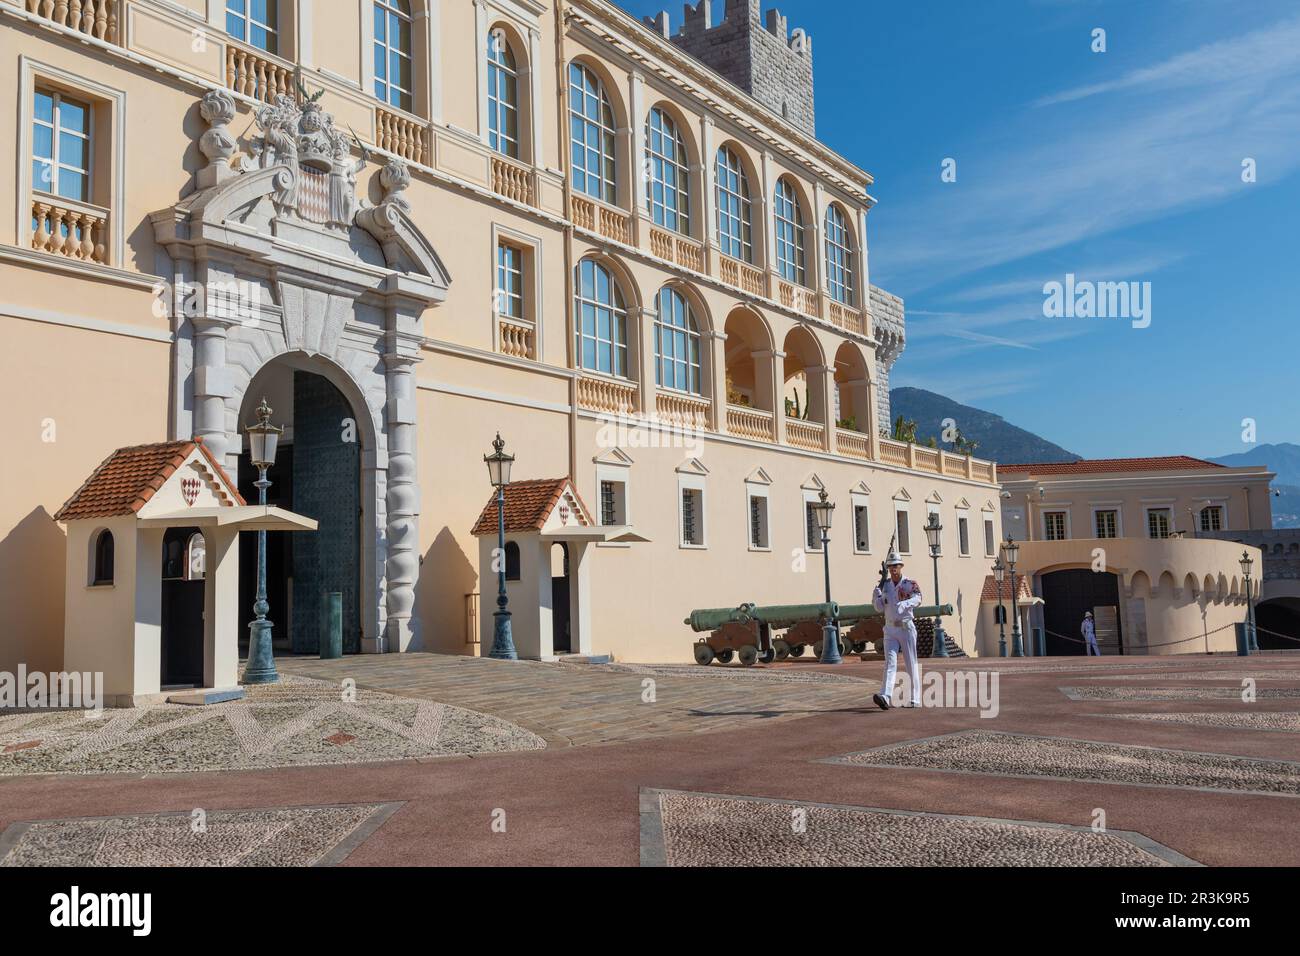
600, 321
103, 570
735, 211
677, 344
503, 96
591, 132
512, 561
393, 52
839, 257
667, 188
788, 221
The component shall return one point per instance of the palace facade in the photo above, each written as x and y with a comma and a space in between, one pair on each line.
412, 225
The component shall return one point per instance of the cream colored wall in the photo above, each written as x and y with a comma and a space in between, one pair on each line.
1133, 493
1178, 619
100, 621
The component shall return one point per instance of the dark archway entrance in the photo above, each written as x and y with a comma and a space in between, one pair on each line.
561, 631
318, 474
1067, 595
1275, 621
182, 608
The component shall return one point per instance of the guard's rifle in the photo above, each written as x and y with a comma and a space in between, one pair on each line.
884, 570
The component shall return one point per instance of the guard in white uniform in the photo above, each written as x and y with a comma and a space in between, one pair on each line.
897, 598
1089, 632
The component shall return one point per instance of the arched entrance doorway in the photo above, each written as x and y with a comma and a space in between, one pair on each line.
1276, 620
1067, 595
317, 473
561, 617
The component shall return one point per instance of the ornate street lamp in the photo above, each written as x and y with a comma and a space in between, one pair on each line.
263, 439
1252, 639
999, 572
823, 511
932, 532
503, 644
1010, 552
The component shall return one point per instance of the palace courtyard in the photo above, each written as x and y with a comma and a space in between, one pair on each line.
422, 759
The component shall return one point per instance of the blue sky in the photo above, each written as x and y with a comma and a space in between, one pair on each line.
1117, 166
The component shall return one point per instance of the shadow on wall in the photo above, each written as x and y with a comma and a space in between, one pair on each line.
446, 576
33, 560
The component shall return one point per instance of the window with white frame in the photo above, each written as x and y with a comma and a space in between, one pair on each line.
789, 232
759, 539
591, 135
1054, 525
510, 280
839, 256
600, 321
861, 527
613, 502
1212, 518
735, 210
963, 535
692, 516
503, 95
812, 531
677, 344
902, 531
393, 72
1159, 522
990, 538
667, 174
256, 23
1106, 523
61, 146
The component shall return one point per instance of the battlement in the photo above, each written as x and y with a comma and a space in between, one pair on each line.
758, 53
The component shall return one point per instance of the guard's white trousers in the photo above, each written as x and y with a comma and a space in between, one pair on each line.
1091, 647
901, 637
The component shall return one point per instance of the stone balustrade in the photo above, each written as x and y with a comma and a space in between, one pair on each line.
607, 395
64, 228
255, 74
596, 217
798, 298
401, 135
516, 338
94, 18
687, 253
512, 180
755, 423
804, 434
687, 410
741, 276
894, 452
852, 444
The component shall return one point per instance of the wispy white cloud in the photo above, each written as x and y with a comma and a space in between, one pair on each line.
989, 339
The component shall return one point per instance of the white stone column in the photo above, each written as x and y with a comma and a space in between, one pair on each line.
706, 205
637, 171
535, 95
212, 387
403, 504
715, 344
480, 61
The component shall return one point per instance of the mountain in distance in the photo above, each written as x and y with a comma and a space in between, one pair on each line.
998, 439
1283, 459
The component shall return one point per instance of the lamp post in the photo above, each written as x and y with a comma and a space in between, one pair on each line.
999, 572
932, 531
1010, 552
1252, 641
823, 512
263, 438
503, 644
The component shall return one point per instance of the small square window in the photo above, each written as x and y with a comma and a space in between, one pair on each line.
613, 502
1212, 518
1159, 523
1107, 523
1054, 525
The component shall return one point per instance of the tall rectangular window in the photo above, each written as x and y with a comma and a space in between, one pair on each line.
510, 281
990, 544
963, 536
1212, 518
812, 533
613, 503
1159, 522
254, 22
1107, 524
861, 528
61, 146
1054, 525
758, 537
393, 73
693, 517
904, 541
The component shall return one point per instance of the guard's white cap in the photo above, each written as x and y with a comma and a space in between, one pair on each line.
894, 559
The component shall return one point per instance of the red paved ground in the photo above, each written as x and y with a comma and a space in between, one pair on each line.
580, 805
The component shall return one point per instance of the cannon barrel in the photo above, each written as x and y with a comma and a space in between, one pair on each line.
779, 616
856, 612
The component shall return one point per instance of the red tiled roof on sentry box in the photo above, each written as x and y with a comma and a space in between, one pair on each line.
1090, 465
990, 592
527, 505
129, 477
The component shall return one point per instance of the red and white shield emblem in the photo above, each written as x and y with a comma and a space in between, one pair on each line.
190, 490
564, 513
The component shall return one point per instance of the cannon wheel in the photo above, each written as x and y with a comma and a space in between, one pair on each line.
782, 649
725, 655
860, 647
797, 650
703, 654
748, 655
767, 656
817, 650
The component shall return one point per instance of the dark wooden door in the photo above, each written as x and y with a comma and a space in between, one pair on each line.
1067, 595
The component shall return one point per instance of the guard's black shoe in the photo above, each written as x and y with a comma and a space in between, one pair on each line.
881, 701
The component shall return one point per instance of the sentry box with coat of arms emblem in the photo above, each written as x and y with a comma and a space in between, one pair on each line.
152, 583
